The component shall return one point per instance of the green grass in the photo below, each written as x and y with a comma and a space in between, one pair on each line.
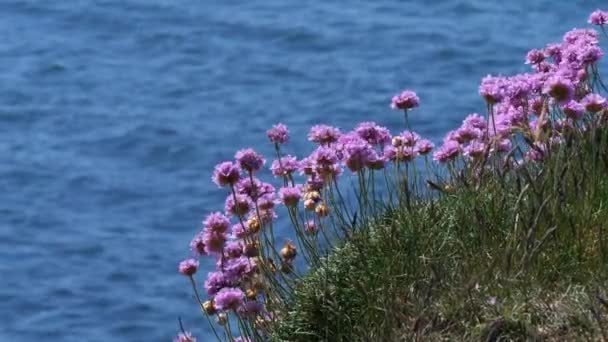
512, 255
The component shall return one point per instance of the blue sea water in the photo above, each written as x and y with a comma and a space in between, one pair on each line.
114, 112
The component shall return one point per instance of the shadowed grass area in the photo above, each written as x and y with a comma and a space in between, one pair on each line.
517, 254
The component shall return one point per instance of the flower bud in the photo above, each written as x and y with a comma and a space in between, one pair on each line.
322, 210
254, 225
251, 294
289, 251
209, 307
309, 204
222, 318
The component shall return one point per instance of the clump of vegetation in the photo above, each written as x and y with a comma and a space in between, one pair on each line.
501, 237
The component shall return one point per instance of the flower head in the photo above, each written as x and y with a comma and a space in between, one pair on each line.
239, 207
184, 337
594, 103
446, 152
373, 134
290, 195
278, 134
424, 147
216, 281
407, 99
249, 160
216, 222
226, 173
188, 267
535, 57
559, 88
573, 110
229, 299
323, 134
285, 166
598, 17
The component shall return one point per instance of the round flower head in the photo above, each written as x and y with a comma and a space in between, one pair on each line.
197, 245
216, 222
448, 151
373, 134
290, 196
184, 337
405, 100
475, 120
535, 57
310, 227
375, 161
238, 208
424, 147
594, 103
233, 249
229, 299
278, 134
559, 88
599, 18
215, 282
475, 149
214, 241
188, 267
226, 173
574, 110
492, 88
237, 269
250, 309
286, 166
409, 139
323, 134
249, 160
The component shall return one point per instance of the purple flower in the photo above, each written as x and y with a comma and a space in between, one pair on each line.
278, 134
266, 201
358, 154
238, 208
475, 120
537, 152
215, 282
314, 183
226, 173
238, 268
424, 147
233, 249
467, 133
400, 154
598, 17
188, 267
229, 299
323, 134
559, 88
594, 103
250, 309
310, 227
184, 337
447, 152
535, 57
407, 99
216, 222
375, 161
475, 149
503, 145
286, 166
409, 139
492, 88
373, 134
197, 245
214, 241
290, 196
324, 157
249, 160
574, 110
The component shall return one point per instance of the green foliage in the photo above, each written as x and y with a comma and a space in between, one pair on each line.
511, 254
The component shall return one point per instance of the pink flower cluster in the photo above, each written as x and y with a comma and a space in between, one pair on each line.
559, 95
